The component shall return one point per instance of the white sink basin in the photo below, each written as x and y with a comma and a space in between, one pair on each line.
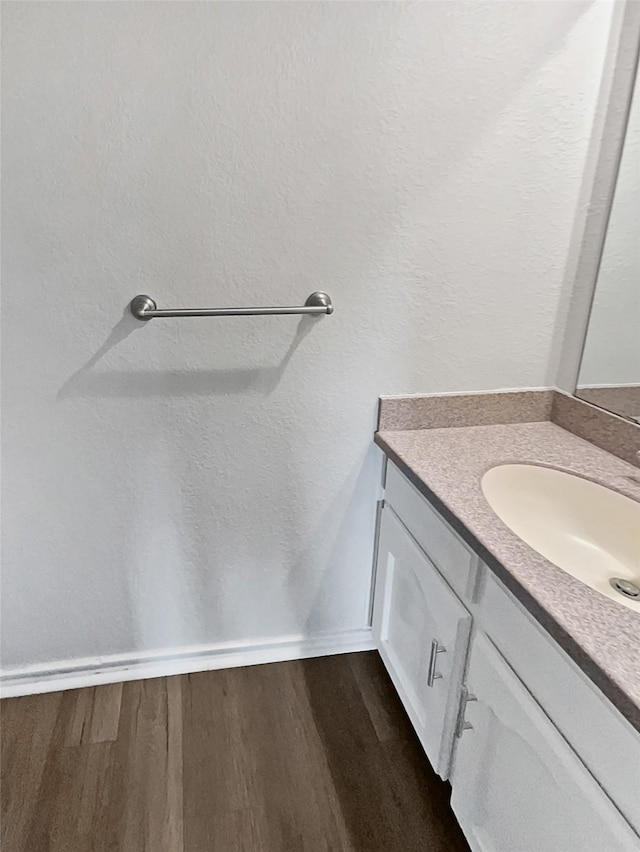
591, 532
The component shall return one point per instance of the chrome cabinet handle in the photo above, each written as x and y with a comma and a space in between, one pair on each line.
432, 675
461, 724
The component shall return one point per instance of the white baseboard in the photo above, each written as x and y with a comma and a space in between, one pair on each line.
92, 671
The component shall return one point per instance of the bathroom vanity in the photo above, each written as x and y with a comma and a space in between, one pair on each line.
521, 682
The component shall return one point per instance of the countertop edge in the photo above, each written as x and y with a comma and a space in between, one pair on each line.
618, 697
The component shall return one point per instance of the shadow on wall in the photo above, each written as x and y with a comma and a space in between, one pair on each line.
86, 382
341, 540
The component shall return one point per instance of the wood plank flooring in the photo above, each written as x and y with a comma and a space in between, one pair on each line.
312, 755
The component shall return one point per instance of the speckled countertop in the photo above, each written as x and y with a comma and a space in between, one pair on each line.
447, 464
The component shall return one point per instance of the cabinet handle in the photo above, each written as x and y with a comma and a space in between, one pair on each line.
436, 648
462, 725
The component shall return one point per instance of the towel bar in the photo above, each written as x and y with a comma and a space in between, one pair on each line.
145, 308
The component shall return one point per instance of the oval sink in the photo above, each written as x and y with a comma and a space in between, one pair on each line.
587, 530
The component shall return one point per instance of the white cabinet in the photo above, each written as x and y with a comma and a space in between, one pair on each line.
517, 784
422, 633
547, 764
604, 740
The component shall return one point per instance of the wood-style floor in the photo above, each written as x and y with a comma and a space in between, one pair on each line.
309, 755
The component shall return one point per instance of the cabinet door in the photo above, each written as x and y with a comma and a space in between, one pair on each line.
422, 632
517, 784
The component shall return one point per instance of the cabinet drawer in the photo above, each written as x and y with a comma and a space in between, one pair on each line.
605, 741
443, 547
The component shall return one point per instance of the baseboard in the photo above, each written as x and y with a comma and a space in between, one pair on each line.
92, 671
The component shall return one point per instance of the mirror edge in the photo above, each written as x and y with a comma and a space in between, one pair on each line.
596, 193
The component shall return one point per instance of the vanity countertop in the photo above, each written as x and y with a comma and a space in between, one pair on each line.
447, 465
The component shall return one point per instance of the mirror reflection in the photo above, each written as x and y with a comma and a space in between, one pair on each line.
610, 369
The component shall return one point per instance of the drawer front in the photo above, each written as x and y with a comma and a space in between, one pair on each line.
605, 741
443, 547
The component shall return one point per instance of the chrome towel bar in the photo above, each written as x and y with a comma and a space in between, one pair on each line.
144, 308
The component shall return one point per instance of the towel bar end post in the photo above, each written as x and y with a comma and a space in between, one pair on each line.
140, 304
321, 301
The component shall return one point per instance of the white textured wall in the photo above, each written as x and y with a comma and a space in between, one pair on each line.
197, 481
612, 347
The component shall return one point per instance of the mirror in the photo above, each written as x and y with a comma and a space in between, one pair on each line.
610, 368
